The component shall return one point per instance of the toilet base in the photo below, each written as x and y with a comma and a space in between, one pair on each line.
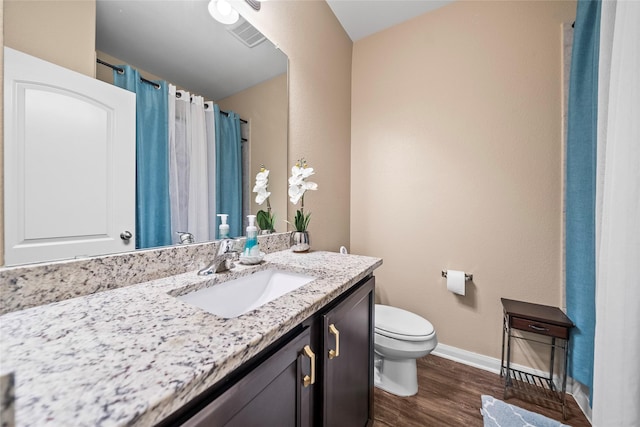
396, 376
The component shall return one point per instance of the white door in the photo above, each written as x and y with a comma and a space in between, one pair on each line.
69, 163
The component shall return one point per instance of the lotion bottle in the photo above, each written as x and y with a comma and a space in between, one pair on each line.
223, 229
251, 247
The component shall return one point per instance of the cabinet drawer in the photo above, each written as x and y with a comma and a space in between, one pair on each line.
539, 327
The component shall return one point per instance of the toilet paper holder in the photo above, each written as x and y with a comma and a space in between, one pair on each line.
467, 277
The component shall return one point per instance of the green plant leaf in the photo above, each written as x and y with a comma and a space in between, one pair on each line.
262, 218
301, 221
266, 221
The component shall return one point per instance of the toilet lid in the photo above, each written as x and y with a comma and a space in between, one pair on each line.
401, 324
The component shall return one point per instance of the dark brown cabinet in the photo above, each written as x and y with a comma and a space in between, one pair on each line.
348, 360
319, 374
275, 393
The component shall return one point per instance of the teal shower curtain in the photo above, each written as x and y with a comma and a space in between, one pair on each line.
229, 169
581, 190
153, 211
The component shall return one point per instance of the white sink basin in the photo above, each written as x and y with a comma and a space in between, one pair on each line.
238, 296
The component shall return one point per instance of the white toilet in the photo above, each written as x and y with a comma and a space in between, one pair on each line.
400, 338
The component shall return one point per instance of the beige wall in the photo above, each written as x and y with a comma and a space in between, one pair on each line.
265, 106
456, 162
319, 54
58, 31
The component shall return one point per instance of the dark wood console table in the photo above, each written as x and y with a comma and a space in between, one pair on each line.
538, 320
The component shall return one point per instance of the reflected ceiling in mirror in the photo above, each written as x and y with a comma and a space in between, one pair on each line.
180, 42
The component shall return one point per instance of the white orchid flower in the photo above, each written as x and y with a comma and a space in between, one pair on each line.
295, 193
261, 196
310, 186
262, 182
297, 182
265, 219
298, 185
303, 172
262, 175
262, 178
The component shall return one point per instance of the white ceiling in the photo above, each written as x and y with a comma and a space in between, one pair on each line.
361, 18
179, 41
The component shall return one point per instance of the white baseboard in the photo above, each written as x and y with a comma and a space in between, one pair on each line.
465, 357
479, 361
579, 392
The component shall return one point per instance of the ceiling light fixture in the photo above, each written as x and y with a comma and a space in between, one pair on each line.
222, 12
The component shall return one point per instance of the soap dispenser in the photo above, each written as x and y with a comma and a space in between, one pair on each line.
251, 247
223, 229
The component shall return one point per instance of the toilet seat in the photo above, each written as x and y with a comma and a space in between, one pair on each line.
400, 324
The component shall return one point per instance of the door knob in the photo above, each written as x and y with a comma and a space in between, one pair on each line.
126, 235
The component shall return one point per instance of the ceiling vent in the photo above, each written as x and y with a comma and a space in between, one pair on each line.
246, 33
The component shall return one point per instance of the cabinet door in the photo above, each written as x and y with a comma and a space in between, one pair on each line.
273, 394
348, 360
69, 163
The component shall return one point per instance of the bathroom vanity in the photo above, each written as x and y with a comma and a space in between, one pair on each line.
320, 373
138, 355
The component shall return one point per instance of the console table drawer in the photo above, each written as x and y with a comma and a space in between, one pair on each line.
540, 327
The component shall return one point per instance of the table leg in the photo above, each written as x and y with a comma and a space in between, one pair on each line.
564, 380
552, 363
507, 382
504, 330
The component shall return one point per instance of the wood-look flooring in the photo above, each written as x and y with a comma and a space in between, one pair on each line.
449, 395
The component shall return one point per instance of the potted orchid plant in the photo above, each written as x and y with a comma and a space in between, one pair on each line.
266, 220
298, 185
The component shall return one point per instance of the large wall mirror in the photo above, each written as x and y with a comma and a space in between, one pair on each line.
180, 43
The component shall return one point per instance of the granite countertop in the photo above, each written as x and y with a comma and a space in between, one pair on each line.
134, 355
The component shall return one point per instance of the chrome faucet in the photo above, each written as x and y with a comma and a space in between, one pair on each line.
223, 260
185, 237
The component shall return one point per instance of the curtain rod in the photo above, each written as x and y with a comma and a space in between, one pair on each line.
154, 84
121, 71
179, 95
